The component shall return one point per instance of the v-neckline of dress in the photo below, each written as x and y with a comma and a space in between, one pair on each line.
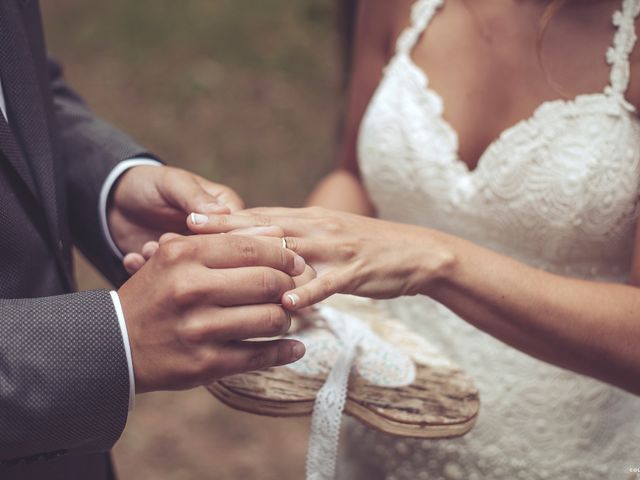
566, 103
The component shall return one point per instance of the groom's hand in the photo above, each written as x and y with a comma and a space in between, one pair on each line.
191, 308
151, 200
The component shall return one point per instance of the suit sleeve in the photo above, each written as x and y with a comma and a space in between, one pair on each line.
90, 148
64, 383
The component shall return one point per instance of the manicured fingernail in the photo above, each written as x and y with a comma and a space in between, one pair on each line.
299, 265
297, 351
293, 298
199, 219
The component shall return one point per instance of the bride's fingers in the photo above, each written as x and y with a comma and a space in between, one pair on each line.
310, 249
313, 251
241, 323
313, 292
308, 275
273, 211
200, 223
269, 231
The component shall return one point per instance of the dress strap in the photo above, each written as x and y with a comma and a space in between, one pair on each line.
623, 44
422, 12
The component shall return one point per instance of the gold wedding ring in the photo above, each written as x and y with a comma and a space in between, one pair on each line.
284, 243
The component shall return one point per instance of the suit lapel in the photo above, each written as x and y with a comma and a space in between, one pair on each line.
25, 107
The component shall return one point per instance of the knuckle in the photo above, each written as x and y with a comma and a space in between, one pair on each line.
176, 250
332, 225
263, 220
287, 260
327, 284
209, 364
316, 211
248, 251
184, 293
346, 250
260, 359
276, 321
193, 332
165, 237
195, 371
272, 285
171, 251
292, 244
219, 220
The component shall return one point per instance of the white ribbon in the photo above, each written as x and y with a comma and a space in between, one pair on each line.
331, 398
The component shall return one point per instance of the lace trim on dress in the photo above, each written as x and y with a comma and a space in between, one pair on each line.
421, 14
623, 44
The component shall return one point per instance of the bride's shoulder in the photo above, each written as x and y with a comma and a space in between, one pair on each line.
385, 11
382, 20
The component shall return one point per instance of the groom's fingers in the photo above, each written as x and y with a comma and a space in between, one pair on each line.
229, 251
164, 238
238, 357
240, 286
201, 223
241, 323
225, 196
132, 262
183, 190
149, 249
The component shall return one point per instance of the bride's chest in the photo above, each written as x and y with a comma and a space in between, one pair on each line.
492, 67
561, 186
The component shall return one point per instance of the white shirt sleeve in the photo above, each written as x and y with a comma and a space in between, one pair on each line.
104, 196
3, 105
117, 171
127, 347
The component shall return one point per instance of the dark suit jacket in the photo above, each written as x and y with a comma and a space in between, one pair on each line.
64, 385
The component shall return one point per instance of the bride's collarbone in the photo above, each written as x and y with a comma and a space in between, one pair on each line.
490, 85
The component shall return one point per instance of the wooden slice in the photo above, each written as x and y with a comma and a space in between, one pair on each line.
442, 401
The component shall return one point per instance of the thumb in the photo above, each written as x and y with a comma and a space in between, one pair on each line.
183, 191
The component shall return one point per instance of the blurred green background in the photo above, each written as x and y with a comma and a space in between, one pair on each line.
244, 92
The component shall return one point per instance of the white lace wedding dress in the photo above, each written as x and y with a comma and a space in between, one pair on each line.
560, 191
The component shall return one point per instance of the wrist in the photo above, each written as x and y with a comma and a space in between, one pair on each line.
106, 210
437, 264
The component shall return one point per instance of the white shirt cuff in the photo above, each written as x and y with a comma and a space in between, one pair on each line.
127, 347
117, 171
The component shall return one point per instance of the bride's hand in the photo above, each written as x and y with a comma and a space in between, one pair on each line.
350, 253
150, 248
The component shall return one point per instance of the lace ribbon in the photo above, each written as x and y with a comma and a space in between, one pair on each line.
351, 333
